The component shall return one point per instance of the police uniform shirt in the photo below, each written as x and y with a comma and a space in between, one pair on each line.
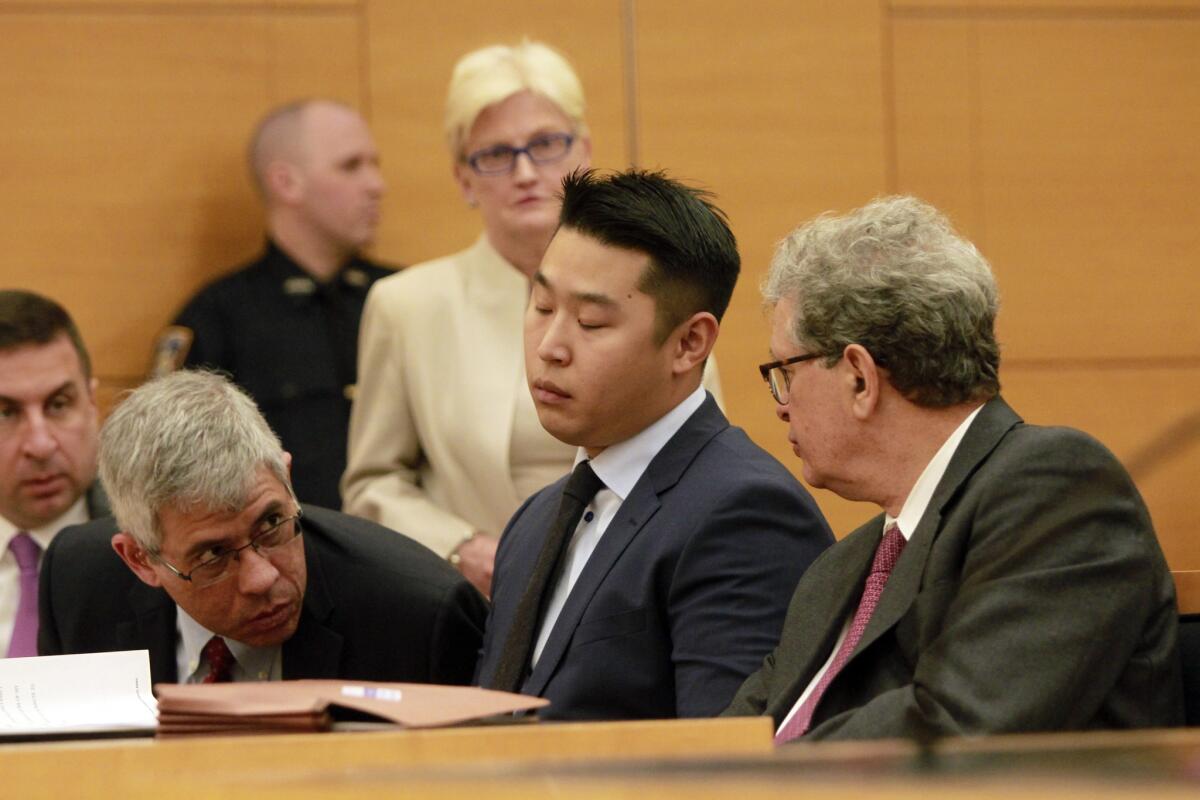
291, 342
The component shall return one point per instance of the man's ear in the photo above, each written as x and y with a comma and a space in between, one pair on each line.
693, 341
284, 181
864, 380
287, 463
136, 558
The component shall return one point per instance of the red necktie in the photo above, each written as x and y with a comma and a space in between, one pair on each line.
220, 661
25, 624
886, 555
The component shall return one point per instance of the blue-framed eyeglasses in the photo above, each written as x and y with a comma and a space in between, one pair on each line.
502, 159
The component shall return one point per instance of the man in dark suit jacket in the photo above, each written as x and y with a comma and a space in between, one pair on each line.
214, 567
377, 606
1022, 587
49, 433
667, 583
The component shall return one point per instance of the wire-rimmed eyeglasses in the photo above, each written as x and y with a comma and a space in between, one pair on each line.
219, 566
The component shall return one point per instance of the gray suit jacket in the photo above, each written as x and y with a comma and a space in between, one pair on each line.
686, 590
1032, 596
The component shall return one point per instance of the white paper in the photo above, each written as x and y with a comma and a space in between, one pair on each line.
87, 693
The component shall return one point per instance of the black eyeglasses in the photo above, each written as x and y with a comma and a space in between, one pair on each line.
777, 377
219, 566
502, 159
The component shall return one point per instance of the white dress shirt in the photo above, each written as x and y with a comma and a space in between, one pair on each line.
250, 663
910, 516
619, 466
10, 573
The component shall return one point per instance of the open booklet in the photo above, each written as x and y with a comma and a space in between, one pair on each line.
313, 705
95, 694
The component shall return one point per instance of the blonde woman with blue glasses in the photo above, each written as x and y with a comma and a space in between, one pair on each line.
445, 443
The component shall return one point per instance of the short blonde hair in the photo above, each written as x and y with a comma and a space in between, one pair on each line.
492, 74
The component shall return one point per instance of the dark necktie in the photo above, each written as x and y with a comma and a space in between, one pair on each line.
220, 661
25, 624
514, 658
890, 547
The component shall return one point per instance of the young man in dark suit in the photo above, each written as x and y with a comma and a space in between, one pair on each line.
1013, 581
650, 582
215, 568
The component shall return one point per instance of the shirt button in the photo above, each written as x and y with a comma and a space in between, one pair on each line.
588, 517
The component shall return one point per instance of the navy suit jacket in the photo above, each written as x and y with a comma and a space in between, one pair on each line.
377, 606
686, 590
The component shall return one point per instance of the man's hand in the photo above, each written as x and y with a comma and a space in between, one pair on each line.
476, 558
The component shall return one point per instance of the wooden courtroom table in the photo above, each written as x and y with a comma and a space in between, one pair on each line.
681, 759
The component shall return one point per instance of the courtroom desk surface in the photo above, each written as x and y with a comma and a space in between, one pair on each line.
576, 761
130, 768
1150, 764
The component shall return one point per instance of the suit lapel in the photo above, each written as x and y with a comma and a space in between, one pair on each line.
152, 628
986, 431
496, 294
314, 650
663, 472
831, 595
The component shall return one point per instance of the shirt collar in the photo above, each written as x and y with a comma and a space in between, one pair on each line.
75, 515
252, 661
622, 464
298, 283
922, 492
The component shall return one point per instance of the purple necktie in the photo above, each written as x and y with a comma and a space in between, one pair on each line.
25, 626
890, 547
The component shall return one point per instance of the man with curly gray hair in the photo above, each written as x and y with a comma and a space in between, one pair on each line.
1013, 581
215, 568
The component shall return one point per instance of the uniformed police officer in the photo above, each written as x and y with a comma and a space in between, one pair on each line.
285, 326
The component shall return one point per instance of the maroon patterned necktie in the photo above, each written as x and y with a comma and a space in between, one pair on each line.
220, 661
890, 547
25, 624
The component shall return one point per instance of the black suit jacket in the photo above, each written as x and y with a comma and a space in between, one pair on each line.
1032, 596
97, 501
378, 606
686, 590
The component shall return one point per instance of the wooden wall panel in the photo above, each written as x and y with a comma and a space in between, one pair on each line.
779, 110
413, 47
1088, 163
124, 186
936, 118
1089, 7
171, 6
1062, 143
1148, 417
1073, 168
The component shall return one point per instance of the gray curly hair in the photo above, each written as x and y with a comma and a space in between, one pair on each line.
894, 277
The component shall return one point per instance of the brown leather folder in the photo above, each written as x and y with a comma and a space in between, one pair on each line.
312, 705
